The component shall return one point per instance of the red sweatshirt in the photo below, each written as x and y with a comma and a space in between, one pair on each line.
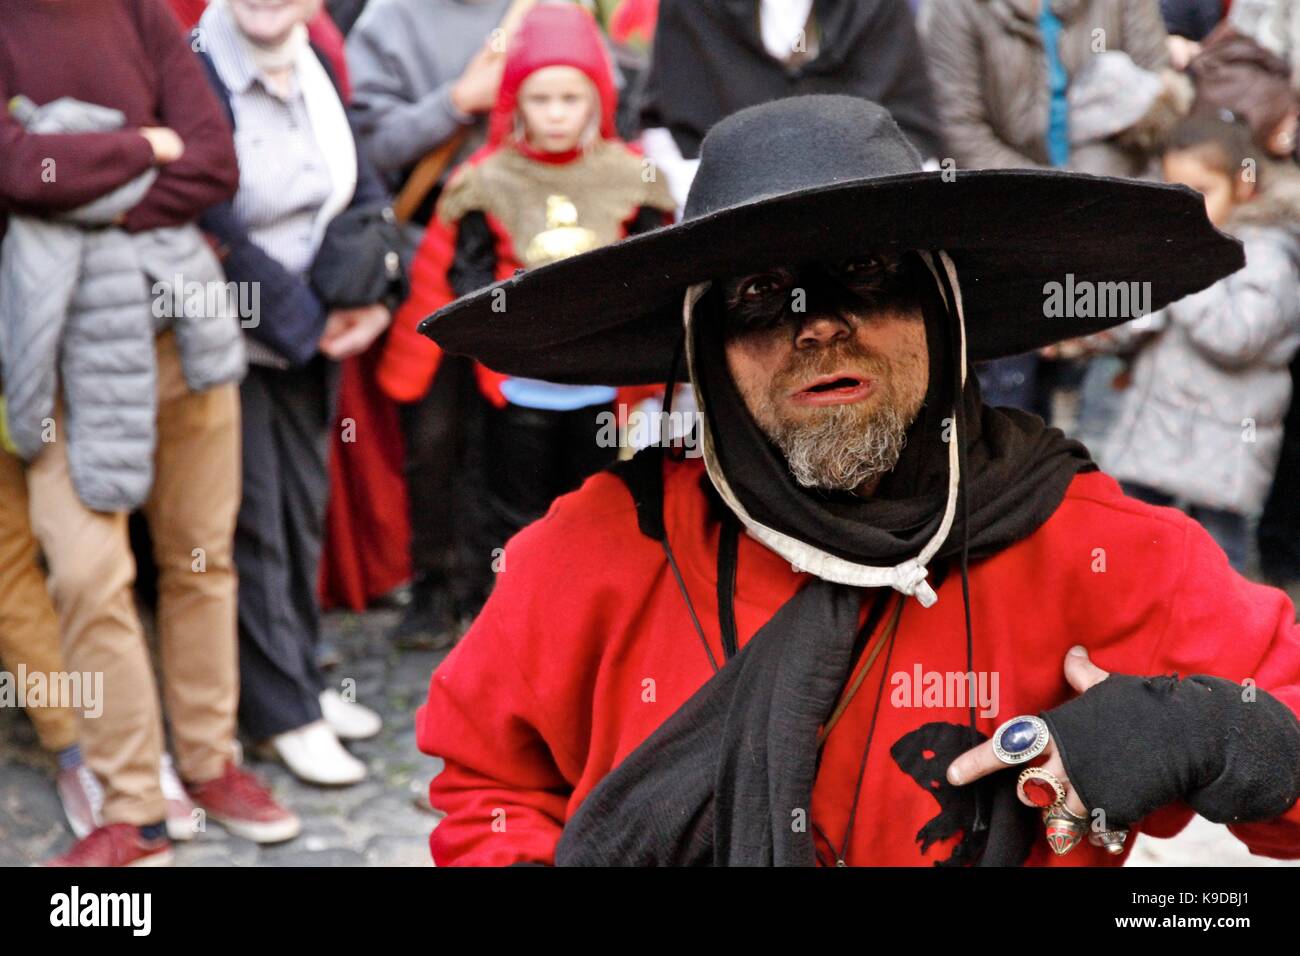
129, 55
586, 647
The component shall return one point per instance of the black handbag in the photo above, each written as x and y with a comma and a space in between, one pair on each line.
360, 260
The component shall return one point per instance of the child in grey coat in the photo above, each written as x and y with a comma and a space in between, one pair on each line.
1201, 420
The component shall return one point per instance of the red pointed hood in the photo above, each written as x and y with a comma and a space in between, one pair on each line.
554, 35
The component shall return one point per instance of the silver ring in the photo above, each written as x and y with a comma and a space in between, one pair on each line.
1112, 841
1019, 739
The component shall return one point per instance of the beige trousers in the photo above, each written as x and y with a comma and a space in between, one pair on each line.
191, 513
29, 631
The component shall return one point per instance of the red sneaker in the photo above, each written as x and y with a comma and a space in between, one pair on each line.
240, 803
116, 844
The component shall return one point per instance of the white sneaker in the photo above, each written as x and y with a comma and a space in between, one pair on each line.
348, 720
82, 799
180, 808
312, 753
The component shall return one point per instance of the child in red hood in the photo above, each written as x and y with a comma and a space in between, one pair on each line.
553, 180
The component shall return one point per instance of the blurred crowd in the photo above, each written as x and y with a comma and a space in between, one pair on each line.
223, 222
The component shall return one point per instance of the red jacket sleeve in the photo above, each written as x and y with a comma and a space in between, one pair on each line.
410, 360
207, 172
510, 709
502, 789
1223, 625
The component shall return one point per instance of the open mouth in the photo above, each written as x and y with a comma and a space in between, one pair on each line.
843, 382
834, 389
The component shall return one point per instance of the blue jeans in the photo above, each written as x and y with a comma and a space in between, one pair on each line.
1228, 528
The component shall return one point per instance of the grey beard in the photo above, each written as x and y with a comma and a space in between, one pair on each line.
839, 452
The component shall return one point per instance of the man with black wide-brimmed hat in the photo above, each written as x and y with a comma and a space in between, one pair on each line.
880, 623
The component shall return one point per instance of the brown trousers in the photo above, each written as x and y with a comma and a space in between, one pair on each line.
29, 630
191, 513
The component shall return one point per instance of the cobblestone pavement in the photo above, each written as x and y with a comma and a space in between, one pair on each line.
384, 821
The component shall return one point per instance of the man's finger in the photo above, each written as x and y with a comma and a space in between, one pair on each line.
1056, 767
979, 761
1080, 672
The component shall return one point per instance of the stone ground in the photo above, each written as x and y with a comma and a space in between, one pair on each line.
384, 821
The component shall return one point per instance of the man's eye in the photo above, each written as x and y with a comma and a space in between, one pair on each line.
759, 287
863, 265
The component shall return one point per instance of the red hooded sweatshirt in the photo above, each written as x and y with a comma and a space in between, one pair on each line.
550, 35
586, 646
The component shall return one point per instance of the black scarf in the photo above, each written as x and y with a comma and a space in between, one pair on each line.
720, 781
709, 62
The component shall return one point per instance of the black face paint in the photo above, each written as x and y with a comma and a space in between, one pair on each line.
871, 282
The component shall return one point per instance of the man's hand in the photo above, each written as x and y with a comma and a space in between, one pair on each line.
167, 146
476, 90
980, 761
350, 332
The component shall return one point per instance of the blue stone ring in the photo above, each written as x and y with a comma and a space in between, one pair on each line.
1019, 739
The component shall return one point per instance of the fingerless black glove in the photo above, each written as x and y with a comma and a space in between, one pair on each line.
1133, 744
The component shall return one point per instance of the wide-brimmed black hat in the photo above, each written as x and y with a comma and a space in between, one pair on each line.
827, 177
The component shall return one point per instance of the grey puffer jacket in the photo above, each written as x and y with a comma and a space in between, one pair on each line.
80, 304
1202, 418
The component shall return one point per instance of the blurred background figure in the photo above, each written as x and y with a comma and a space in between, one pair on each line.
150, 419
713, 57
426, 74
1075, 84
1201, 420
553, 181
1274, 25
364, 560
1234, 73
302, 179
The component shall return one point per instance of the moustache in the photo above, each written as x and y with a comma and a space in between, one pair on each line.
847, 356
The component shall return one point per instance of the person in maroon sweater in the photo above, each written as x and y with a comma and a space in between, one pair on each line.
130, 55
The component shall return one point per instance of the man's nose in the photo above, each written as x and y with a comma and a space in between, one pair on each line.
821, 329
